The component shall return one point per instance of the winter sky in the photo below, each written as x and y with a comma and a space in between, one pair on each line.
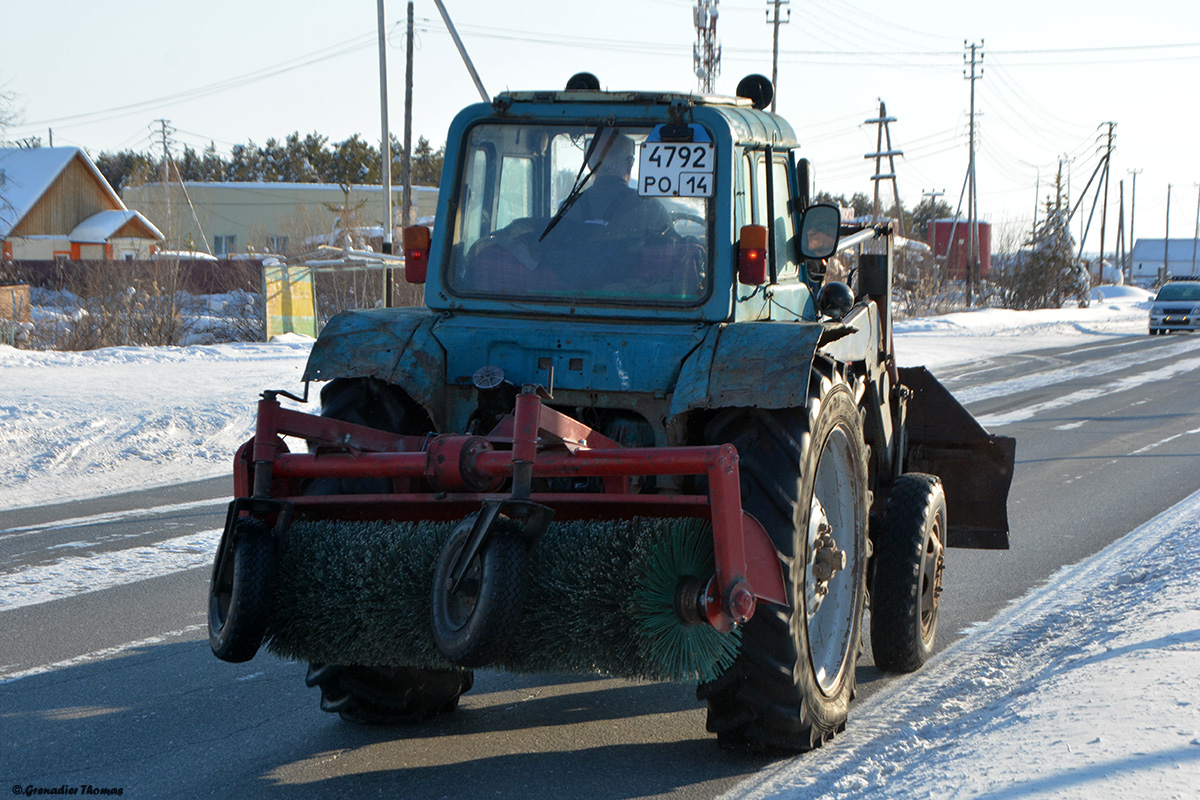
101, 74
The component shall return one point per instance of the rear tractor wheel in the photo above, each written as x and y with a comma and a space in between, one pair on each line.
804, 478
379, 694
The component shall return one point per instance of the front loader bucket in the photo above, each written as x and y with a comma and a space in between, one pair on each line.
976, 467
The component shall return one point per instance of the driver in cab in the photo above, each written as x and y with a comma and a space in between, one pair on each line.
610, 201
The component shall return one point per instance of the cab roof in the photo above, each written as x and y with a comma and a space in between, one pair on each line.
747, 124
623, 98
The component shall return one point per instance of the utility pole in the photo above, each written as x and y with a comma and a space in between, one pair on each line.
972, 194
1104, 208
406, 198
933, 196
164, 124
1196, 236
1166, 238
883, 120
1121, 232
776, 22
706, 53
385, 150
1037, 190
1132, 212
462, 51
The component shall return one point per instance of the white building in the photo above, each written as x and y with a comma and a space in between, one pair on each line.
1182, 259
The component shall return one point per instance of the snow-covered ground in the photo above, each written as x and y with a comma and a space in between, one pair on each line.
1088, 687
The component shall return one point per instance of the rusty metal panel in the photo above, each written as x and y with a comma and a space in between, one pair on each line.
392, 344
750, 364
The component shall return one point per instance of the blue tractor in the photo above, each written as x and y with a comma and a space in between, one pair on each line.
633, 430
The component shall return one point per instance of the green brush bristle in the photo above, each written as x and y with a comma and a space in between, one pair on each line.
694, 650
356, 592
598, 600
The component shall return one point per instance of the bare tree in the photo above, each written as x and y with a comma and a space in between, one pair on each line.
8, 117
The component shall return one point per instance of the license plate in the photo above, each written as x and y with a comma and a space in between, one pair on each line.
1175, 320
676, 169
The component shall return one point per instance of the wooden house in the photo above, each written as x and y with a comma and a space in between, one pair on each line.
55, 205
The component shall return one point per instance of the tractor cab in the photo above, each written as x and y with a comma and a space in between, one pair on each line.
603, 204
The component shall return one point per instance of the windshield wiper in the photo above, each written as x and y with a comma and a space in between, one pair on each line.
580, 178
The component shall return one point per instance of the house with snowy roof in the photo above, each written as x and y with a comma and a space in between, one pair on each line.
1148, 257
55, 205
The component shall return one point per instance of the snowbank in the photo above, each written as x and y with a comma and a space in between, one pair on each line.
1086, 688
77, 425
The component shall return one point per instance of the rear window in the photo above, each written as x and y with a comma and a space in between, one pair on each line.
527, 225
1179, 291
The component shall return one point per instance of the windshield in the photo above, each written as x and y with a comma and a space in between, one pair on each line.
1179, 291
552, 212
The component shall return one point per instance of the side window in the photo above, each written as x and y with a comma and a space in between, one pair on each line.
783, 230
473, 198
515, 196
742, 212
760, 191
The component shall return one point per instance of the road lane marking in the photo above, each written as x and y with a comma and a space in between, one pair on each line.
1038, 380
1161, 442
75, 575
97, 655
1130, 382
112, 516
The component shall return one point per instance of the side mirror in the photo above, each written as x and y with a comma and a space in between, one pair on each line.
416, 253
752, 255
819, 231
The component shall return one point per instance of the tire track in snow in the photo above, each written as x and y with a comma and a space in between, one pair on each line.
1162, 374
75, 575
1089, 369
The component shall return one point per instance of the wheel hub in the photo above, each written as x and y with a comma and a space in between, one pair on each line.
828, 560
932, 566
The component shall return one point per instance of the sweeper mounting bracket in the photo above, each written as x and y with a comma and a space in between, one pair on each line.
451, 476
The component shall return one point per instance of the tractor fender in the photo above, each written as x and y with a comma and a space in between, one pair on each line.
393, 344
748, 365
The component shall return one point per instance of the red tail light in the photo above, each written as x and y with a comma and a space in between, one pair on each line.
416, 253
752, 255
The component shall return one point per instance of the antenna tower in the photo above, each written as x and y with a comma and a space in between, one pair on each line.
707, 51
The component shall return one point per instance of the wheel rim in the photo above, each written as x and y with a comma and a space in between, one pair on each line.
460, 604
932, 563
833, 557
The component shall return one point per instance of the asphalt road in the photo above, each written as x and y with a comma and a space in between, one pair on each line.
116, 688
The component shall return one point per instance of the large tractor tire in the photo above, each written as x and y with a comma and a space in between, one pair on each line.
387, 695
804, 478
908, 573
379, 694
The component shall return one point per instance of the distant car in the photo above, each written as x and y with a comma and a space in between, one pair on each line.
1176, 307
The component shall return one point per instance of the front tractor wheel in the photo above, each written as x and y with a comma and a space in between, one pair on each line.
804, 477
909, 559
239, 593
474, 619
